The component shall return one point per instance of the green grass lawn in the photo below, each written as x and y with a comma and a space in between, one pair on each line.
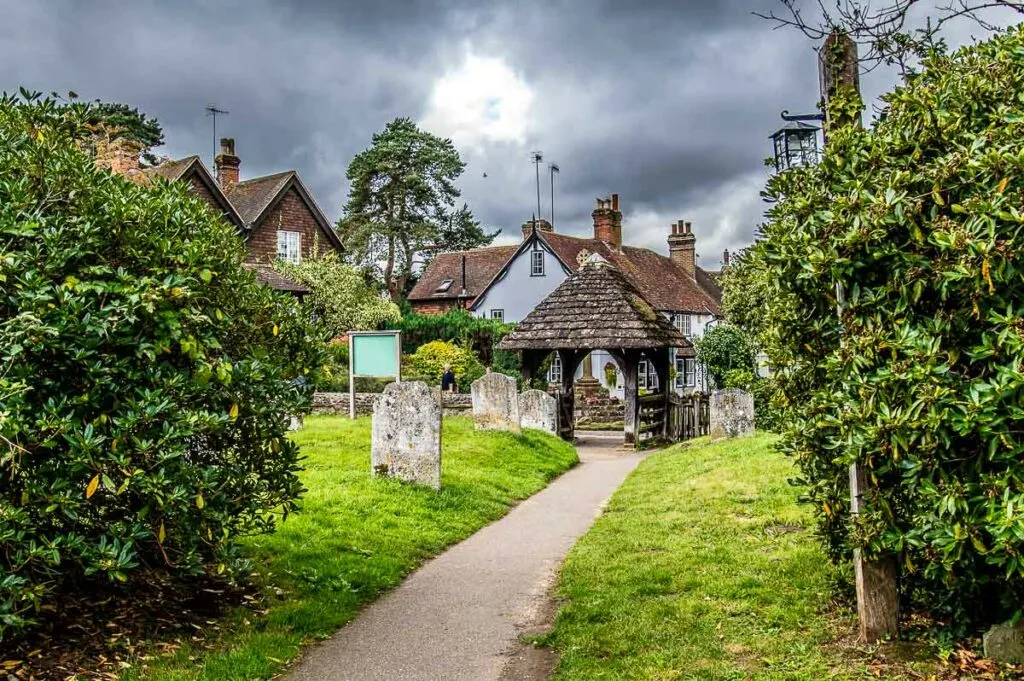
357, 537
702, 566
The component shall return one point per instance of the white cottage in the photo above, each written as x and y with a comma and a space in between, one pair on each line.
507, 282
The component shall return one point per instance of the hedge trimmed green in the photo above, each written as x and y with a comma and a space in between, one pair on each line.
921, 219
145, 376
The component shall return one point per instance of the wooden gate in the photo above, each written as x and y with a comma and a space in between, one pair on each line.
689, 416
566, 415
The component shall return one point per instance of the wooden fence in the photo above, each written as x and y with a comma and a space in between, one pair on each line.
688, 416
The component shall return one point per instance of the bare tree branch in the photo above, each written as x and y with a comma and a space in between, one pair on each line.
884, 33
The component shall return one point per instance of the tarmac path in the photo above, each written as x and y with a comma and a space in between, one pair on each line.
460, 615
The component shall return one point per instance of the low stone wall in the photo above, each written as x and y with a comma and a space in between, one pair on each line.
599, 410
337, 403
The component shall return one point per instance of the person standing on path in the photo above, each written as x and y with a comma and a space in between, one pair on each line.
448, 380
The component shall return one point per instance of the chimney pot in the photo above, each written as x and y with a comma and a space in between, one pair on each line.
725, 258
227, 164
682, 247
608, 222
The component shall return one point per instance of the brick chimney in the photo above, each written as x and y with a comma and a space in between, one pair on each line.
608, 222
227, 163
542, 226
725, 259
682, 246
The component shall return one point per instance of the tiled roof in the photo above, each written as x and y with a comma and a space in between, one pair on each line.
268, 276
598, 306
482, 264
252, 197
663, 282
171, 170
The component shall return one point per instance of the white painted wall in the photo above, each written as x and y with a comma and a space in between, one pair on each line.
518, 292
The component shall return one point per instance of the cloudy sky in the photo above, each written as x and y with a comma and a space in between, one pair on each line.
667, 103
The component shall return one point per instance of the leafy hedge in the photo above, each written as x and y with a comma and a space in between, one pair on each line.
921, 219
146, 376
427, 364
340, 296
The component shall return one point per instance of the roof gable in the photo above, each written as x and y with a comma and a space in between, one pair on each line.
192, 168
482, 266
257, 198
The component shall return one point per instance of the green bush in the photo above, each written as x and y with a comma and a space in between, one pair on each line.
920, 219
459, 327
146, 378
428, 362
340, 297
724, 348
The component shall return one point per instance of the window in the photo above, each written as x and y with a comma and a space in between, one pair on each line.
498, 314
289, 247
445, 285
680, 372
555, 371
683, 323
689, 373
646, 376
537, 263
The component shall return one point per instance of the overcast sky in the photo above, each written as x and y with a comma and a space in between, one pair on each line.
669, 104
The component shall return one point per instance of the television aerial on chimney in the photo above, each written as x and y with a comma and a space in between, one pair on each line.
537, 157
212, 110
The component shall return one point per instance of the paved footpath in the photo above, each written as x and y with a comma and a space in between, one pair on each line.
459, 616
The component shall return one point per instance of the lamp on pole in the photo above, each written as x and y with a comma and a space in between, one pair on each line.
796, 143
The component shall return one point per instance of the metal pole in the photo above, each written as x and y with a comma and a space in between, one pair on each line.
537, 158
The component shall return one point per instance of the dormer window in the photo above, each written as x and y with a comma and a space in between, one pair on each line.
537, 264
445, 285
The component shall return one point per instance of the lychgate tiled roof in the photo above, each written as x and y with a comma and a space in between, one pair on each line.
482, 264
596, 307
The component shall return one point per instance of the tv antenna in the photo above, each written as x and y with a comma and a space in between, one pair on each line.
554, 170
537, 157
212, 110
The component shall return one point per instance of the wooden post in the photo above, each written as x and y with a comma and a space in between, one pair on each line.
877, 595
876, 578
660, 358
567, 423
629, 361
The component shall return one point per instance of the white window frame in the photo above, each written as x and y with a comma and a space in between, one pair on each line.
555, 370
680, 372
289, 246
537, 263
499, 314
683, 324
646, 376
689, 372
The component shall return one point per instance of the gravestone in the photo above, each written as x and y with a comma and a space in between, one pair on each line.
406, 440
538, 410
496, 403
1005, 643
732, 414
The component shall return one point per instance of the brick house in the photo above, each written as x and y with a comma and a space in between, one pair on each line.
508, 282
275, 214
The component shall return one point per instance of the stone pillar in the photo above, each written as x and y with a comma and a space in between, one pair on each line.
588, 385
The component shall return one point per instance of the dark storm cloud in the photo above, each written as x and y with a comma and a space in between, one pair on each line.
667, 103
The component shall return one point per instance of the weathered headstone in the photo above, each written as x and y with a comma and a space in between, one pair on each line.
1005, 643
732, 414
406, 440
538, 410
496, 403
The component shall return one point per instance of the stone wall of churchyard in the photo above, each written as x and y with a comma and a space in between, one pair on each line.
606, 410
337, 403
